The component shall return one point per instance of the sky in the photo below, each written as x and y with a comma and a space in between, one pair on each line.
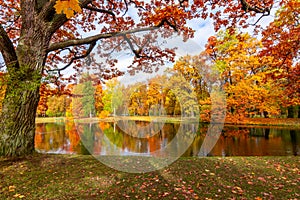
191, 47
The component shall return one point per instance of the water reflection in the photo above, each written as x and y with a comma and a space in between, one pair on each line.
109, 139
57, 138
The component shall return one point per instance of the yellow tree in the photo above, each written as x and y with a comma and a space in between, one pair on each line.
193, 69
138, 104
155, 95
112, 96
56, 106
243, 74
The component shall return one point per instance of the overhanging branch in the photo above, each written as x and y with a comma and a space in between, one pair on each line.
97, 37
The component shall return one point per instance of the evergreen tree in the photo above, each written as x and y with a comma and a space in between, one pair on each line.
88, 100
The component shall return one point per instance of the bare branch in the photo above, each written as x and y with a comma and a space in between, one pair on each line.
263, 15
127, 6
167, 22
136, 52
93, 39
92, 8
91, 47
58, 52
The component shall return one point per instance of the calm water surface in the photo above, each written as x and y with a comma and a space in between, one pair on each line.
142, 138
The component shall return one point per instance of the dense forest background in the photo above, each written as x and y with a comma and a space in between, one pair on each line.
256, 84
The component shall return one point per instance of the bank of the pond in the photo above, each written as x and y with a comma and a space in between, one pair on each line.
83, 177
290, 122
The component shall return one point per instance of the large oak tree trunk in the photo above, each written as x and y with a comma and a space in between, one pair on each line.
18, 121
24, 66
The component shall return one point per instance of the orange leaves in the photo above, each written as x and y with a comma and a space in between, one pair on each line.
68, 7
172, 17
98, 98
245, 75
281, 41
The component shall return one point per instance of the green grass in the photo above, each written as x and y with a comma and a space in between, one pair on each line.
83, 177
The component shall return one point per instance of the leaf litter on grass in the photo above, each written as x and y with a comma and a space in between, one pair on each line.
83, 177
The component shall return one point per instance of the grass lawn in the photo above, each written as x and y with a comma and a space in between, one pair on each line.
83, 177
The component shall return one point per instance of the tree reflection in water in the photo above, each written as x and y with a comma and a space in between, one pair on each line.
105, 138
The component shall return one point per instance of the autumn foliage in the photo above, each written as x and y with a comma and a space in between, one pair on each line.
41, 40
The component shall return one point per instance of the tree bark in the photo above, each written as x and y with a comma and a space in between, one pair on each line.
24, 71
18, 122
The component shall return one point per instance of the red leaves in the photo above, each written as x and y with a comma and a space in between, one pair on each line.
281, 41
262, 179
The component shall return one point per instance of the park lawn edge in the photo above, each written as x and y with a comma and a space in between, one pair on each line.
272, 122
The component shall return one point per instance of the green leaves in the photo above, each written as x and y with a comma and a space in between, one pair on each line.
88, 100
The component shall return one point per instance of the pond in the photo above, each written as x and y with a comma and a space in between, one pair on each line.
146, 139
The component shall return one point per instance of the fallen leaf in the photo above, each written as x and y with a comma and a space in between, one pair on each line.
11, 188
262, 179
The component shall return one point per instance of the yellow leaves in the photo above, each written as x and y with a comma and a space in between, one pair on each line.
68, 7
20, 196
237, 190
11, 188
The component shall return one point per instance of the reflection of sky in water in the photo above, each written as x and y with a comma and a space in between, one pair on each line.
56, 151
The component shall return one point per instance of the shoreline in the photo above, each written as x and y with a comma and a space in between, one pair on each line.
270, 122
